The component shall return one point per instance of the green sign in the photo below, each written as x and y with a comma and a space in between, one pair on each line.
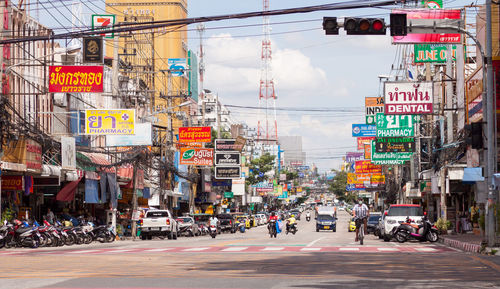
432, 3
389, 158
228, 195
396, 125
433, 53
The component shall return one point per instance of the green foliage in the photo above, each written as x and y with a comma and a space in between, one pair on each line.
339, 184
441, 224
482, 221
259, 167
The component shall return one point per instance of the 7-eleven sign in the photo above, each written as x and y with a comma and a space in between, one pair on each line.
103, 22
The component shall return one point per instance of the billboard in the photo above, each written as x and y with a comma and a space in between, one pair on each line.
395, 145
109, 121
227, 172
389, 158
396, 125
142, 137
76, 78
366, 167
195, 134
363, 130
474, 96
227, 159
373, 105
228, 145
197, 157
353, 156
364, 140
433, 53
408, 97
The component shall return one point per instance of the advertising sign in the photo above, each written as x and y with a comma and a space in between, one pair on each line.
408, 97
177, 66
474, 95
109, 121
373, 105
227, 172
103, 23
227, 159
363, 130
368, 151
12, 183
68, 153
395, 125
92, 50
353, 156
142, 137
354, 187
430, 18
359, 179
364, 140
228, 145
389, 158
264, 187
195, 134
433, 53
197, 156
395, 145
432, 4
366, 167
81, 78
377, 179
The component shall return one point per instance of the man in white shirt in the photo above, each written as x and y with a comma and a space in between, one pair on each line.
360, 214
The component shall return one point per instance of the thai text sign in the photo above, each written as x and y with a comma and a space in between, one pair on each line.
109, 121
395, 145
197, 157
227, 159
377, 179
364, 140
366, 167
228, 145
195, 134
373, 105
395, 125
363, 130
66, 78
368, 151
12, 183
360, 179
353, 156
433, 53
408, 97
389, 158
227, 172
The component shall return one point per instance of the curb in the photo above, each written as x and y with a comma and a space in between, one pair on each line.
467, 247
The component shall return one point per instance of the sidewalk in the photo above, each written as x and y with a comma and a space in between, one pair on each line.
465, 242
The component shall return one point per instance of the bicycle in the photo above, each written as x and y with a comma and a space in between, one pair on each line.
361, 229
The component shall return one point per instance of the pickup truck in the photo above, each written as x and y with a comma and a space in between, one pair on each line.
227, 223
158, 223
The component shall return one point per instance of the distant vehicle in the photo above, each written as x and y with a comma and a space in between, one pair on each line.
227, 223
326, 222
397, 214
158, 223
373, 222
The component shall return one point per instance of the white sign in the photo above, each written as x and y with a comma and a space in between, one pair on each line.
238, 187
408, 97
177, 66
68, 153
103, 22
142, 137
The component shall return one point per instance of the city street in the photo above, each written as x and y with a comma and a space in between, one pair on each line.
308, 259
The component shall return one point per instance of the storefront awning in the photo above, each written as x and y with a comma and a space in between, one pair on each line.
100, 160
472, 175
67, 194
50, 170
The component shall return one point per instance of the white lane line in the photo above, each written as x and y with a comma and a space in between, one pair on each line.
273, 249
118, 251
83, 251
158, 250
388, 249
234, 249
195, 249
348, 249
310, 249
314, 242
425, 249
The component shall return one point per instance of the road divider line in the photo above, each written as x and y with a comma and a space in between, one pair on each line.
425, 249
348, 249
119, 251
314, 242
195, 249
388, 249
310, 249
81, 251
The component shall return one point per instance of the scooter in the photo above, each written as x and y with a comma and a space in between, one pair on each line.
213, 231
273, 232
409, 230
291, 228
308, 217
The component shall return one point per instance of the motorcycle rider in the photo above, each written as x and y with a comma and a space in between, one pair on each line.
360, 213
214, 221
290, 222
308, 215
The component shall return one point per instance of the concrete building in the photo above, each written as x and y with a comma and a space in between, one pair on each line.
293, 155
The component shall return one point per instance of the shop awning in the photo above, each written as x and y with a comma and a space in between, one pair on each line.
472, 175
50, 170
99, 160
456, 173
67, 193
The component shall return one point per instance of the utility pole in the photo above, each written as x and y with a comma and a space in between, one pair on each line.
490, 151
218, 116
134, 201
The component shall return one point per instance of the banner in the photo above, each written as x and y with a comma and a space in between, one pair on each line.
359, 179
396, 125
195, 134
353, 156
227, 172
366, 167
109, 121
197, 156
66, 78
433, 53
377, 179
228, 145
408, 97
395, 145
363, 130
373, 105
364, 140
227, 159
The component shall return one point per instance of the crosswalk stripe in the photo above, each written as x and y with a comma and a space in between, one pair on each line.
273, 249
119, 251
195, 249
158, 250
425, 249
348, 249
81, 251
310, 249
234, 249
388, 249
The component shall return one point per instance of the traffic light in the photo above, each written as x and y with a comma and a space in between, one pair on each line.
475, 137
330, 25
364, 26
398, 25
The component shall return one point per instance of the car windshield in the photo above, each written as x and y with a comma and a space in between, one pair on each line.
152, 214
325, 218
405, 211
374, 218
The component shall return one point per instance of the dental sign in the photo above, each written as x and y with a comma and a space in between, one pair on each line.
109, 121
408, 97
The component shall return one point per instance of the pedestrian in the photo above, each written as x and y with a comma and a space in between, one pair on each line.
474, 214
50, 216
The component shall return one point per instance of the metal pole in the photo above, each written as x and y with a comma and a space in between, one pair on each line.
490, 133
134, 201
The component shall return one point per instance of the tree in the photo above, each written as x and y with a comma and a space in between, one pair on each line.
259, 167
338, 185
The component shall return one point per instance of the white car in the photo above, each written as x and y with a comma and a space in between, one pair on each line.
261, 219
396, 215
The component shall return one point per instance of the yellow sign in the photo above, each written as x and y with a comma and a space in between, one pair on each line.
109, 121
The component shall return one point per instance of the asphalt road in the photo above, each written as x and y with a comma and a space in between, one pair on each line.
252, 259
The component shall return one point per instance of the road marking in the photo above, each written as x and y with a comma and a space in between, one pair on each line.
425, 249
310, 249
82, 251
314, 242
235, 249
273, 249
119, 251
388, 249
348, 249
158, 250
195, 249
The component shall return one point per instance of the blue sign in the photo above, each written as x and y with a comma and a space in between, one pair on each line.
225, 183
359, 130
177, 66
352, 187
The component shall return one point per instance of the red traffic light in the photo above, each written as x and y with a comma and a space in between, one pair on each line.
364, 26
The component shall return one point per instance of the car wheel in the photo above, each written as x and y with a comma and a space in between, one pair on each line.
387, 238
334, 230
175, 236
317, 230
170, 235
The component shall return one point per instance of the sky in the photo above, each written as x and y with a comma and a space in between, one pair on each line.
310, 69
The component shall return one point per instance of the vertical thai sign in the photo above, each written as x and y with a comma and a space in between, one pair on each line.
373, 105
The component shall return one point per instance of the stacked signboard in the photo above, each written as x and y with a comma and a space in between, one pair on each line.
227, 159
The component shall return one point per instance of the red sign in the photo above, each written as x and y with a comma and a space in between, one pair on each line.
362, 141
421, 17
76, 78
366, 167
12, 183
195, 134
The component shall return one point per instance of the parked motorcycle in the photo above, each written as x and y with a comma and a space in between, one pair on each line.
425, 231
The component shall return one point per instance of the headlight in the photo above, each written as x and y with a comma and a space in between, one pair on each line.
391, 221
